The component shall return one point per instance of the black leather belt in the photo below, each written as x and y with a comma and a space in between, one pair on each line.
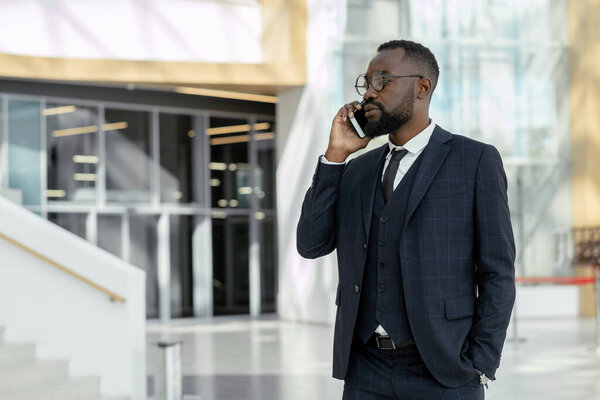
386, 343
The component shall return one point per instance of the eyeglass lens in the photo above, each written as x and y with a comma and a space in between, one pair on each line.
363, 82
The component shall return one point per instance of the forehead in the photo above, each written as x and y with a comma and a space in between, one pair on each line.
389, 61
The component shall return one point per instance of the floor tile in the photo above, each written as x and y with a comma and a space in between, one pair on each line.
239, 358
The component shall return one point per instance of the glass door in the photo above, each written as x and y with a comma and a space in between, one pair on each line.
230, 196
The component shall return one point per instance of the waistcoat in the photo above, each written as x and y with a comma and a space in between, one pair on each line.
382, 295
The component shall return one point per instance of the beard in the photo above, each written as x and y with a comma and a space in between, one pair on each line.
388, 122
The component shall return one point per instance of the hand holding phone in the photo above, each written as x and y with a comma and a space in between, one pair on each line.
344, 137
359, 121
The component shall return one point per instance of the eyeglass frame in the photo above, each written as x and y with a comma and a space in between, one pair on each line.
383, 78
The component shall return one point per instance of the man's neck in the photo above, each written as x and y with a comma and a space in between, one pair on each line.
410, 129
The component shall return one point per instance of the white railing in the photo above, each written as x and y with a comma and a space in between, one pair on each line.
74, 300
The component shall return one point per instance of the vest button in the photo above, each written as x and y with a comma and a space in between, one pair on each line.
381, 288
380, 311
382, 242
356, 288
381, 265
383, 220
364, 246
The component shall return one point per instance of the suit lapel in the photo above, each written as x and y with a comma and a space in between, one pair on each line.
433, 156
367, 185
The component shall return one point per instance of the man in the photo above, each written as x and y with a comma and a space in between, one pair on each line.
424, 241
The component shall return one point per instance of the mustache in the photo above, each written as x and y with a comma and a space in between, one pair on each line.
374, 103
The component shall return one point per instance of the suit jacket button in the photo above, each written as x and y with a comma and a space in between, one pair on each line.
356, 288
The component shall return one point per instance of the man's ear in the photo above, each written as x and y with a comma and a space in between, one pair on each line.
424, 88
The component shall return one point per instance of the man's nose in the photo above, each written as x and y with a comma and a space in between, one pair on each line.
370, 93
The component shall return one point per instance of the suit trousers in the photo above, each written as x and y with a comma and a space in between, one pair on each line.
375, 374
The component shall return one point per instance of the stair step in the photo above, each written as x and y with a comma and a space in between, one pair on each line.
42, 374
87, 388
16, 355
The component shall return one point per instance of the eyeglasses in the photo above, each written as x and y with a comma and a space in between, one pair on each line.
377, 80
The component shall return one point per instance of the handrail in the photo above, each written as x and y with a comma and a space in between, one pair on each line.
75, 275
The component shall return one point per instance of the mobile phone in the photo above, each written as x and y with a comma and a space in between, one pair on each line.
359, 121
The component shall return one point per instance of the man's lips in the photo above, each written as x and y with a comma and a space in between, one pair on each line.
370, 111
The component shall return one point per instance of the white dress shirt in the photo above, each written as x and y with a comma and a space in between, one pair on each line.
415, 147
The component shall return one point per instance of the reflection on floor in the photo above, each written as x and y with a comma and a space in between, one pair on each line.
268, 359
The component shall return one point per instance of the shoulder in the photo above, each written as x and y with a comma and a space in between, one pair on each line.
464, 144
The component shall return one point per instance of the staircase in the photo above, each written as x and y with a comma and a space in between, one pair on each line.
23, 377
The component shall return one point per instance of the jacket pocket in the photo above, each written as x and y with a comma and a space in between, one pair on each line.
440, 191
459, 307
337, 295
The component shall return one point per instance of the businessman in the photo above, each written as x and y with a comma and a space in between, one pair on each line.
424, 242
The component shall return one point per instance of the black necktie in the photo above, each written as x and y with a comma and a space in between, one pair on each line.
390, 173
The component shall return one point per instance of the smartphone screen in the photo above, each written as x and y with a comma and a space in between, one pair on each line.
359, 121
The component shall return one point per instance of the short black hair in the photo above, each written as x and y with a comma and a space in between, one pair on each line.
418, 54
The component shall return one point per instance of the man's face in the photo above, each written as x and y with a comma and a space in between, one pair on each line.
393, 106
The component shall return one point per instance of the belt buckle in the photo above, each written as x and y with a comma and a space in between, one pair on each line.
385, 343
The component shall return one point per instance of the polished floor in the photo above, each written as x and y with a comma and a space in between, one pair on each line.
269, 359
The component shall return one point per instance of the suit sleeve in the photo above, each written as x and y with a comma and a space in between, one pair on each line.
495, 256
315, 234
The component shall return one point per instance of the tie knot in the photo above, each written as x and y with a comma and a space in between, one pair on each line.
398, 154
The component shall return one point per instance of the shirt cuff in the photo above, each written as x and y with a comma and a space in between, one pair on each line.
326, 161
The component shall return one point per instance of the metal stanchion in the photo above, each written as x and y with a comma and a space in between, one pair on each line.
169, 378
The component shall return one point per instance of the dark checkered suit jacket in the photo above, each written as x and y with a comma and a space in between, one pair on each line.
456, 250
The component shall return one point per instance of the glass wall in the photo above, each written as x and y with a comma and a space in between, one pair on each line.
504, 81
267, 229
73, 222
72, 151
181, 230
110, 233
144, 244
141, 182
24, 148
177, 141
231, 239
229, 166
129, 164
264, 142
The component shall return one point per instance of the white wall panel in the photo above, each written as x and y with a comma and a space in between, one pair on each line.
65, 317
307, 287
158, 30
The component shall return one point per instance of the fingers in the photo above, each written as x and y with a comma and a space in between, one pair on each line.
347, 111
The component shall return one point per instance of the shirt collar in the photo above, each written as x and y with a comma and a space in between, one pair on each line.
417, 143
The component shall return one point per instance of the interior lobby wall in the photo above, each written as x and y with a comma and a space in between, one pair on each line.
584, 46
585, 103
307, 287
248, 45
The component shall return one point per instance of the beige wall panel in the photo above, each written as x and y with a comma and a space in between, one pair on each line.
584, 35
276, 31
151, 72
284, 31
